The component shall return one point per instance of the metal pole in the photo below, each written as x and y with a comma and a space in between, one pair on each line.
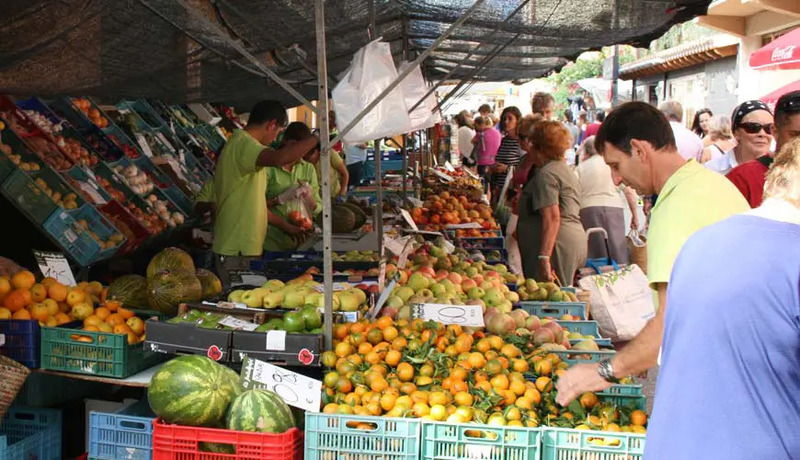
373, 32
325, 158
404, 73
404, 148
469, 55
615, 77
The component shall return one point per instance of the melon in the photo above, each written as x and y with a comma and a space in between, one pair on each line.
343, 220
171, 259
192, 390
131, 290
361, 217
261, 411
212, 286
167, 289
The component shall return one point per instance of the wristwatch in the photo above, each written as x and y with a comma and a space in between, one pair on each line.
606, 371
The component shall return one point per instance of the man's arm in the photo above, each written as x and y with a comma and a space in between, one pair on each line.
638, 356
283, 224
344, 177
287, 153
631, 197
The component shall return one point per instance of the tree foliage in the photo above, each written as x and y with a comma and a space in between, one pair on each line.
564, 80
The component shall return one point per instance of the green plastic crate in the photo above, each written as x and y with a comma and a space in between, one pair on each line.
579, 356
554, 309
28, 433
21, 190
329, 436
102, 353
445, 441
581, 327
624, 395
567, 444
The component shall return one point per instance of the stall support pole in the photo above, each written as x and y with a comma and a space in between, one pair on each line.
378, 227
404, 149
325, 159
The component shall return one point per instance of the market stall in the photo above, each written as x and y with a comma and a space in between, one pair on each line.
423, 346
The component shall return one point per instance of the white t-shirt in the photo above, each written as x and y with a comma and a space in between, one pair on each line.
723, 164
690, 146
465, 135
597, 186
354, 153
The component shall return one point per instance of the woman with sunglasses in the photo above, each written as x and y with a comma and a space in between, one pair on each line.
752, 125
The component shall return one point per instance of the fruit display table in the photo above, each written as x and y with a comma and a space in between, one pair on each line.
140, 380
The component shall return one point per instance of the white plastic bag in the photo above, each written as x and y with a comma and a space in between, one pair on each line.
414, 88
621, 300
371, 71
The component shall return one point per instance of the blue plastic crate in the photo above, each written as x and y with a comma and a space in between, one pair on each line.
624, 396
581, 327
568, 444
145, 112
22, 341
66, 228
38, 105
554, 309
458, 440
127, 433
482, 243
28, 433
336, 436
179, 199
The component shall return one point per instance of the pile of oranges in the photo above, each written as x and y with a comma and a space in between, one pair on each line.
53, 304
446, 208
412, 368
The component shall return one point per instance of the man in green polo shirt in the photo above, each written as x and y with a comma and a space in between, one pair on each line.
637, 143
240, 184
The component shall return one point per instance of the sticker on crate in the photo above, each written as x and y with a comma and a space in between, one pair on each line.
296, 389
55, 265
463, 315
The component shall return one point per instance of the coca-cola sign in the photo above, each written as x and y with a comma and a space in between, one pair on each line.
782, 53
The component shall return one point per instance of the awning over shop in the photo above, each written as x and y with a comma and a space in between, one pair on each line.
782, 53
680, 57
192, 50
772, 98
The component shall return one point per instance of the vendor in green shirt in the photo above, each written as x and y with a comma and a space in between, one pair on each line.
240, 185
338, 178
284, 234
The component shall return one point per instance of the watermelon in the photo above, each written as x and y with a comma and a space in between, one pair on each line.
170, 259
217, 448
131, 290
212, 286
192, 390
167, 289
259, 411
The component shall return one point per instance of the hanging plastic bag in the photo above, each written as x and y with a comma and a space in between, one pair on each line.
297, 204
414, 88
371, 71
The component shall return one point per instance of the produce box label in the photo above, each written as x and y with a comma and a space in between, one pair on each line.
463, 315
55, 265
238, 324
296, 389
276, 340
468, 225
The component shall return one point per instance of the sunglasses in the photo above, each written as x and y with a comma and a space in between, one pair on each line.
755, 128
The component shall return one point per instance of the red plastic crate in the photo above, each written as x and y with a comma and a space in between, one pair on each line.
135, 232
177, 441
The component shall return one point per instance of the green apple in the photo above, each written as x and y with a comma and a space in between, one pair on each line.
475, 293
418, 281
404, 292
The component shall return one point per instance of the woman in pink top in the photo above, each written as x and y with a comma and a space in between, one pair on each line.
486, 141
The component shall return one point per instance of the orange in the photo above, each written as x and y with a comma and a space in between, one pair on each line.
484, 385
5, 286
483, 345
399, 343
51, 322
39, 312
121, 329
405, 371
459, 373
437, 397
132, 338
588, 400
75, 296
387, 401
510, 351
407, 388
342, 349
496, 341
390, 333
419, 396
364, 348
328, 358
476, 360
343, 385
125, 313
52, 306
62, 318
543, 367
638, 418
90, 328
102, 312
393, 357
330, 408
48, 281
544, 384
38, 293
493, 367
17, 299
375, 336
459, 385
534, 395
517, 387
105, 327
5, 313
114, 319
135, 323
23, 280
500, 382
464, 398
21, 314
383, 322
340, 331
112, 305
379, 384
520, 365
92, 320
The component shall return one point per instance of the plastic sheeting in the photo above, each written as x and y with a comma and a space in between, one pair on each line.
156, 48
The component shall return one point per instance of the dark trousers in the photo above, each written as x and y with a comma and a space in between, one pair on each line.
356, 172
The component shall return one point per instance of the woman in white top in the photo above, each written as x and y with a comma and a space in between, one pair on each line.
720, 139
602, 206
465, 134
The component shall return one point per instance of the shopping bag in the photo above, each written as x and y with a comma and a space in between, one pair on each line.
622, 301
297, 204
371, 71
637, 245
502, 210
414, 87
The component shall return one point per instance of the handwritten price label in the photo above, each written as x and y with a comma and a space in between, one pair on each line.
409, 220
463, 315
296, 389
238, 324
442, 175
55, 265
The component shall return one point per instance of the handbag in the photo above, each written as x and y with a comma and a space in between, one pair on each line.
622, 301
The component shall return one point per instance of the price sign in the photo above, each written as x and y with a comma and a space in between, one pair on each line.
238, 324
228, 305
372, 314
296, 389
396, 245
409, 220
55, 265
442, 175
463, 315
462, 226
449, 166
336, 287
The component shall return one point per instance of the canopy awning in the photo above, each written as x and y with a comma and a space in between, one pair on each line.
772, 98
781, 53
191, 50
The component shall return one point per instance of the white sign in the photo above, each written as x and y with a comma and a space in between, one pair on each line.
228, 305
471, 174
296, 390
238, 324
336, 287
449, 167
276, 340
397, 245
463, 315
143, 144
463, 226
55, 265
442, 175
409, 220
93, 193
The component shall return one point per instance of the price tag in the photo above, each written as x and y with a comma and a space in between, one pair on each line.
396, 245
461, 226
336, 287
92, 192
350, 316
448, 247
463, 315
409, 220
296, 389
442, 175
276, 340
228, 305
238, 324
55, 265
372, 314
70, 235
449, 166
471, 174
140, 139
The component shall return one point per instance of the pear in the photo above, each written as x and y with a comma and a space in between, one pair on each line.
252, 298
272, 300
274, 285
404, 292
235, 296
294, 299
349, 301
